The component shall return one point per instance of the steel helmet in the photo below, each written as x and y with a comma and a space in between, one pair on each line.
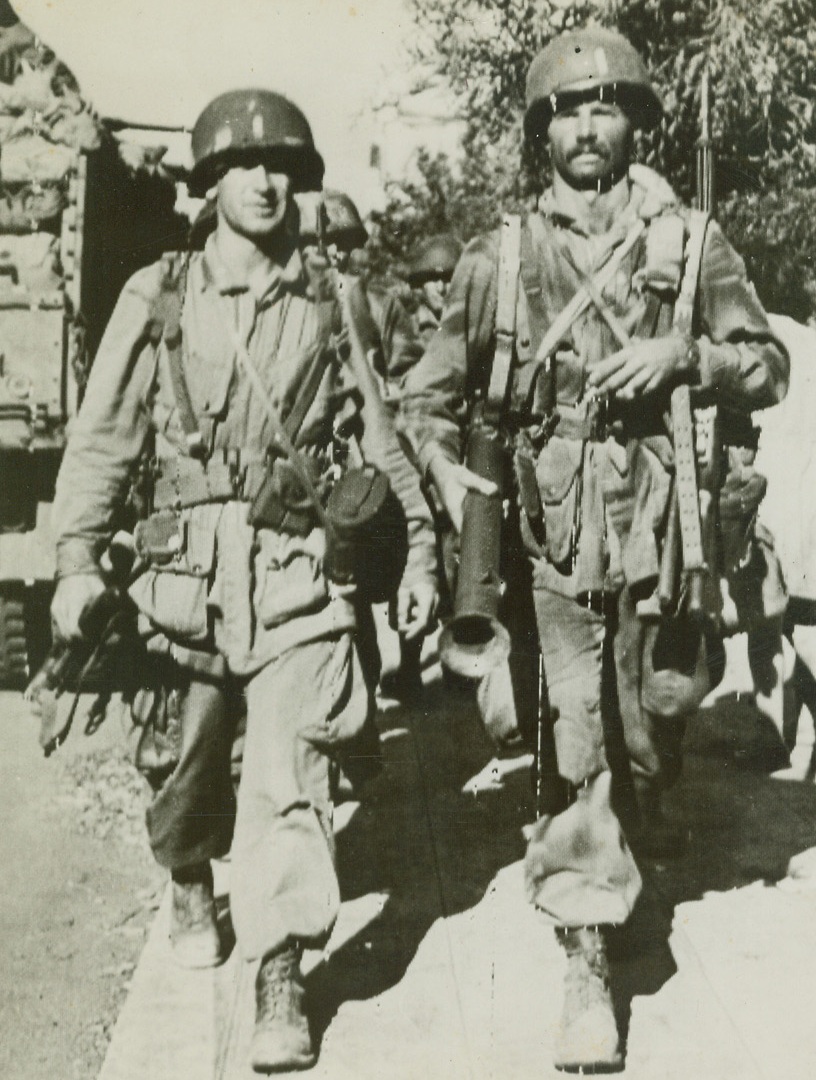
435, 258
241, 123
580, 61
331, 218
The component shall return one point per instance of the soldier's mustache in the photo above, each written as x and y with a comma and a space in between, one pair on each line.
587, 148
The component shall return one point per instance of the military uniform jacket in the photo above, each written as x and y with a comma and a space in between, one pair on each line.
245, 593
600, 482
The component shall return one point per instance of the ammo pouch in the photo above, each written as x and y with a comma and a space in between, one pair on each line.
161, 538
367, 544
281, 503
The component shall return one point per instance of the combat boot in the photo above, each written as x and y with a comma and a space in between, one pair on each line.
194, 935
281, 1041
588, 1040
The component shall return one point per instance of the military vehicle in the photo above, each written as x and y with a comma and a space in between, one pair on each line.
82, 207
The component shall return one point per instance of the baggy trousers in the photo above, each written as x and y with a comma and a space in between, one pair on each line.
283, 879
578, 867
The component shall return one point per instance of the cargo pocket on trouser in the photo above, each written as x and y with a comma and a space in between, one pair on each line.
348, 734
180, 548
289, 573
557, 473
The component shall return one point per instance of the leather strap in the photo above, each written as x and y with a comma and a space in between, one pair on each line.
310, 385
619, 331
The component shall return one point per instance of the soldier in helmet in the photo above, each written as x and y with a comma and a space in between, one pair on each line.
623, 295
222, 373
428, 272
388, 335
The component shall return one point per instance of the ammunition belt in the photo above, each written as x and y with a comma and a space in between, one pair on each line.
228, 475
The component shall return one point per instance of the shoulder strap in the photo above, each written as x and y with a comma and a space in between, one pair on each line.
685, 304
506, 300
166, 314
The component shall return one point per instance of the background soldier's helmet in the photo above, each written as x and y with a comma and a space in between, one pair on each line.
244, 124
589, 62
434, 259
331, 218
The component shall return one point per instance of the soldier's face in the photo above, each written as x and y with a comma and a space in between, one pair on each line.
434, 293
590, 143
253, 200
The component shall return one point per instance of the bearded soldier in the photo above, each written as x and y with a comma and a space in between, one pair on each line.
224, 376
623, 298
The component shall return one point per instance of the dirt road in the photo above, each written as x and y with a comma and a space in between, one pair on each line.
77, 891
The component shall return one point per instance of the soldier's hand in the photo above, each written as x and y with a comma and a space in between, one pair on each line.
452, 482
416, 605
643, 367
73, 594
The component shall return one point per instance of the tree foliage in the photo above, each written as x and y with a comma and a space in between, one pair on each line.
762, 63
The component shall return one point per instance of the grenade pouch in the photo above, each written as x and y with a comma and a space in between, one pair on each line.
281, 503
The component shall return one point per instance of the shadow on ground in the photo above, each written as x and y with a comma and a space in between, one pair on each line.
743, 826
418, 838
434, 850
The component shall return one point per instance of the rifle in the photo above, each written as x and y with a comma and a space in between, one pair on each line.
688, 554
706, 160
473, 640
